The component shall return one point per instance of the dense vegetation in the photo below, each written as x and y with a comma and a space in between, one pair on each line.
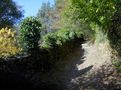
62, 23
8, 43
56, 30
102, 16
61, 37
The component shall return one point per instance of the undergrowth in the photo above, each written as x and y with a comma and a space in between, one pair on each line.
60, 37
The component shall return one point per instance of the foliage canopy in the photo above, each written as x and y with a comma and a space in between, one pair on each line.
10, 13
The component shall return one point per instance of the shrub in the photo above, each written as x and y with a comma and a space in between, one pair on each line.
49, 40
60, 37
30, 30
8, 43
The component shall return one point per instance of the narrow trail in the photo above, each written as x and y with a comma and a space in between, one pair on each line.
68, 72
64, 76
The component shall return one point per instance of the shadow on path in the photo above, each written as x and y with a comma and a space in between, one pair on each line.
64, 76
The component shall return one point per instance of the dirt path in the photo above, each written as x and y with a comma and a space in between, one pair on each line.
64, 76
68, 72
96, 55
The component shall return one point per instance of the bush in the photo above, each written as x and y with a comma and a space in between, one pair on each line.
30, 30
8, 43
60, 37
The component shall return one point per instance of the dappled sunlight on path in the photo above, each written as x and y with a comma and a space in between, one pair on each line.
65, 75
68, 72
96, 55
